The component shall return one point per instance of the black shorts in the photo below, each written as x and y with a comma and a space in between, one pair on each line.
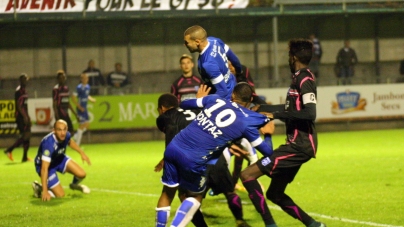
219, 178
285, 162
22, 126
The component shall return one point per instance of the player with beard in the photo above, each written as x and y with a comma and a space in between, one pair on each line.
51, 159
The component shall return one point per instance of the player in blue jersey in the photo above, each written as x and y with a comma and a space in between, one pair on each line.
171, 120
202, 142
51, 159
80, 99
282, 166
213, 59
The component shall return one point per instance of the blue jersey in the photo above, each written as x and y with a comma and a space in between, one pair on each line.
214, 69
82, 93
50, 150
214, 128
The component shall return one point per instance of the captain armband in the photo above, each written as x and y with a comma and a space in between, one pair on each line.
309, 98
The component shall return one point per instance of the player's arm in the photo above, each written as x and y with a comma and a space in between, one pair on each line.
309, 102
92, 99
202, 98
217, 79
232, 57
83, 155
76, 102
44, 179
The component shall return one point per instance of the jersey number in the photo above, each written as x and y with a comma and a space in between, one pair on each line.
225, 117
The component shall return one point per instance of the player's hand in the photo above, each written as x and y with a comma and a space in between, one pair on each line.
237, 151
46, 196
85, 158
203, 91
159, 166
81, 108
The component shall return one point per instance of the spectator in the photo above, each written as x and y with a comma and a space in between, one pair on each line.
95, 78
401, 78
317, 53
117, 80
346, 61
186, 86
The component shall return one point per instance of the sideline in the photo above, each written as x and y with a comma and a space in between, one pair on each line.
271, 207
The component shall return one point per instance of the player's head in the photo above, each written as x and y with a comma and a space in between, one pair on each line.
60, 129
61, 76
194, 36
300, 50
84, 78
242, 94
165, 102
186, 64
118, 67
23, 79
91, 64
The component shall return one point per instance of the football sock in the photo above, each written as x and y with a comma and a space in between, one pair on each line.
257, 198
234, 202
185, 212
51, 194
198, 219
79, 135
162, 215
77, 180
16, 144
26, 147
290, 207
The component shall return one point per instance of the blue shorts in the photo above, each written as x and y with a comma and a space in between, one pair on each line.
178, 171
83, 116
53, 179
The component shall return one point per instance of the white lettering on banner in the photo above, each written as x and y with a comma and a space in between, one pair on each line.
131, 112
34, 6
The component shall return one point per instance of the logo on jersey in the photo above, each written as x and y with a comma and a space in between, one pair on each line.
46, 152
266, 161
202, 182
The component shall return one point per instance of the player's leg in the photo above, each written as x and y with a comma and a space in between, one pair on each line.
26, 137
249, 178
19, 141
186, 211
84, 124
164, 205
78, 175
54, 187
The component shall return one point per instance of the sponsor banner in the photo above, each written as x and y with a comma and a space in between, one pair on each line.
109, 112
64, 6
350, 102
7, 117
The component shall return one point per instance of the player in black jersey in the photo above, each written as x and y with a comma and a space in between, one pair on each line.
22, 119
301, 141
172, 120
61, 101
186, 86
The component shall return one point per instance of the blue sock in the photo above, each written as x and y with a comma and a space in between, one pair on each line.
162, 215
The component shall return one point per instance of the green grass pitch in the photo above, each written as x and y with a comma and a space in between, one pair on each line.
356, 180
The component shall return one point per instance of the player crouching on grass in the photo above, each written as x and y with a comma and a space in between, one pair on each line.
51, 158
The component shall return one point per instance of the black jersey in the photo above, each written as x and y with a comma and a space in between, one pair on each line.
61, 96
174, 120
185, 87
300, 113
21, 100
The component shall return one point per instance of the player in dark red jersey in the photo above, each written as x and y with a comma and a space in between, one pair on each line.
186, 86
22, 119
301, 141
61, 101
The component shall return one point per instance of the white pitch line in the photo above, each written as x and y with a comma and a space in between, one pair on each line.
271, 207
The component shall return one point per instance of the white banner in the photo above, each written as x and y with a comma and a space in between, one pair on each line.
350, 102
63, 6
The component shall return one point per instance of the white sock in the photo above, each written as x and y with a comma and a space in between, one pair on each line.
185, 212
79, 134
51, 193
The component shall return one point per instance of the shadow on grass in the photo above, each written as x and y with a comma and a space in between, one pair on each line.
56, 201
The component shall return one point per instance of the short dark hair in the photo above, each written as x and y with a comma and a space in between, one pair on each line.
168, 101
302, 49
243, 92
